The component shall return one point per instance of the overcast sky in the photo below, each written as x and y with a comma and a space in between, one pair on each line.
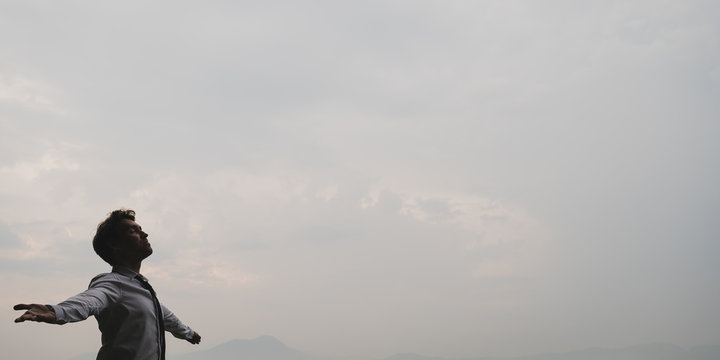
449, 178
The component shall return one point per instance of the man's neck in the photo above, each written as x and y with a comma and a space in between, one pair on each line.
131, 265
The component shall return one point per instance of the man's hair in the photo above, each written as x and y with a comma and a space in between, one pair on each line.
107, 231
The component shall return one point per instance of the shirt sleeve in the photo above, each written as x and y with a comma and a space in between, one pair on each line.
100, 294
175, 326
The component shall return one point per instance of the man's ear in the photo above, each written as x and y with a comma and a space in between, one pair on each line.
114, 244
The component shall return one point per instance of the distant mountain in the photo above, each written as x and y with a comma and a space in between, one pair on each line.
269, 348
706, 352
262, 348
409, 356
656, 351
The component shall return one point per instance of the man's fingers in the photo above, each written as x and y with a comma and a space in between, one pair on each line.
35, 312
26, 316
195, 338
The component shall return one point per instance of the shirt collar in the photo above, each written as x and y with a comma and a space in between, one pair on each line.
125, 271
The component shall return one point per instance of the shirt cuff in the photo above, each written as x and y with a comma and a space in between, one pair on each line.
60, 317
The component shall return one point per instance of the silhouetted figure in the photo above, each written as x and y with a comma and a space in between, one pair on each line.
132, 320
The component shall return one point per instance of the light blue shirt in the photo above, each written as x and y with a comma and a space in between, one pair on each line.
126, 316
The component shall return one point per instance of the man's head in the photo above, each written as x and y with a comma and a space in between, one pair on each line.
120, 238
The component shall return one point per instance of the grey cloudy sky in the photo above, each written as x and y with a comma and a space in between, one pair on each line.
363, 178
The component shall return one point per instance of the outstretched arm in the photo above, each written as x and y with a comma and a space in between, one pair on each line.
36, 312
177, 328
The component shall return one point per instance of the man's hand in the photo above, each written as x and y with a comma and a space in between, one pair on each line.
195, 338
35, 312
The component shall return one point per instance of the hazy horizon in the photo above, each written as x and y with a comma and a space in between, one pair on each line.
268, 347
370, 177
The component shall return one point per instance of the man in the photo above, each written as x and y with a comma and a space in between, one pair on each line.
129, 315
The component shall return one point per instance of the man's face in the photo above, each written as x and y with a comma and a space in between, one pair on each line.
132, 242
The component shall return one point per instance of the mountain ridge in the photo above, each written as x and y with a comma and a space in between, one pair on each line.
267, 347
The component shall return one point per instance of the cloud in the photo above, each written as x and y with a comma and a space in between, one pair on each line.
226, 227
31, 170
33, 95
8, 238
